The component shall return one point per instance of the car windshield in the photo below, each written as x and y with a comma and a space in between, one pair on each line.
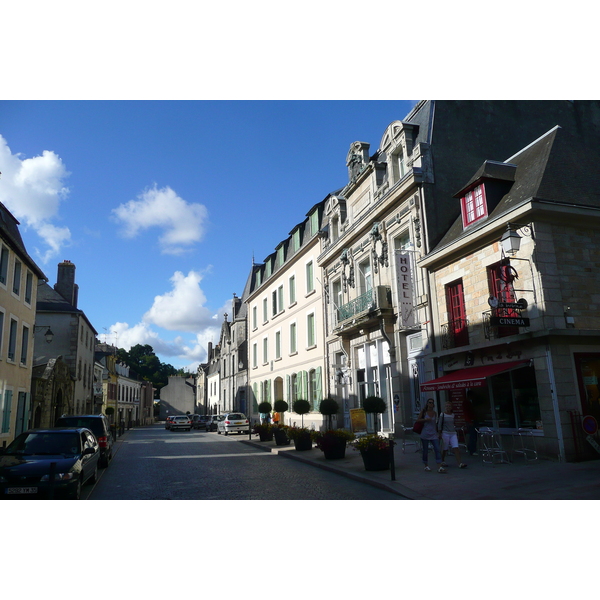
59, 442
236, 416
89, 422
181, 418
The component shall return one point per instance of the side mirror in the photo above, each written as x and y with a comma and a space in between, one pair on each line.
89, 451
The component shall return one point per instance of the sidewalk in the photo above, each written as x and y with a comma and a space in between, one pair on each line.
541, 480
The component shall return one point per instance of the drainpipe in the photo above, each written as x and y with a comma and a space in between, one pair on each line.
559, 432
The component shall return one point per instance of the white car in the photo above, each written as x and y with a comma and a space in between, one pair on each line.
233, 422
181, 422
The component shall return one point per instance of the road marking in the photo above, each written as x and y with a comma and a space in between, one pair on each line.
214, 455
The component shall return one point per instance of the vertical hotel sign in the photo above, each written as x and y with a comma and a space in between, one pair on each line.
404, 282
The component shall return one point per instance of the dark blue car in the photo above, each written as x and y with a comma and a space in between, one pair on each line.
49, 463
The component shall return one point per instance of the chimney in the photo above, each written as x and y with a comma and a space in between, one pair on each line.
65, 282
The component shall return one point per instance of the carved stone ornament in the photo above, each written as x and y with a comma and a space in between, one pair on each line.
379, 247
347, 270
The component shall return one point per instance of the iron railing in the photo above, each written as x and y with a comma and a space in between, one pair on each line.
455, 334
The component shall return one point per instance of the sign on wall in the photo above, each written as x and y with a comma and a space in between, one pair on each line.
404, 284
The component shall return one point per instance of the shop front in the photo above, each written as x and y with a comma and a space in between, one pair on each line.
503, 395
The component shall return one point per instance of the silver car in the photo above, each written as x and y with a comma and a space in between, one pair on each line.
233, 423
181, 422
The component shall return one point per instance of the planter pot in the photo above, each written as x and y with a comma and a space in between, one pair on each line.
335, 450
281, 439
303, 443
376, 460
265, 437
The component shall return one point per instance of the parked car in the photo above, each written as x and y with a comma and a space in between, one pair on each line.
168, 421
181, 422
49, 463
211, 422
99, 426
233, 423
199, 421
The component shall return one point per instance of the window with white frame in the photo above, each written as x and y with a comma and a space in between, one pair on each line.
365, 276
337, 300
4, 256
24, 344
254, 317
12, 340
254, 355
310, 284
265, 310
277, 344
293, 341
310, 330
17, 278
292, 288
265, 350
28, 287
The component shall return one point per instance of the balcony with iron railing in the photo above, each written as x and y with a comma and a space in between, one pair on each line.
455, 334
493, 331
363, 309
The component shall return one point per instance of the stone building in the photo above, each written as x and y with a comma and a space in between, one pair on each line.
178, 397
285, 323
517, 329
19, 282
74, 335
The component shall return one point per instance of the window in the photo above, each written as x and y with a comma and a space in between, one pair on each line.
277, 345
473, 205
310, 330
5, 408
457, 325
254, 317
12, 340
310, 286
265, 351
292, 290
293, 346
3, 264
254, 355
314, 222
280, 298
17, 278
274, 298
265, 310
24, 344
337, 300
293, 388
1, 330
365, 277
28, 287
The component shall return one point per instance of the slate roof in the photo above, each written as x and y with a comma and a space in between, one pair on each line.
49, 300
9, 229
558, 167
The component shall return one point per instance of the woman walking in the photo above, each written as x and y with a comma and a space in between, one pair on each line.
449, 437
428, 417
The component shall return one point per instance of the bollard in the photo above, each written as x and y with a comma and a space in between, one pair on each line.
392, 462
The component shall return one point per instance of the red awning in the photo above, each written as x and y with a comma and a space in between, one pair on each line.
470, 378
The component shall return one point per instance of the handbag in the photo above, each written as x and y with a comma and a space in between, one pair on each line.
418, 427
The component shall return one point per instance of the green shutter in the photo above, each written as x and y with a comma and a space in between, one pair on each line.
288, 390
304, 384
6, 412
319, 386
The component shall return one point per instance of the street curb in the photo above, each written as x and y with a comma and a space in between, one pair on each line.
403, 491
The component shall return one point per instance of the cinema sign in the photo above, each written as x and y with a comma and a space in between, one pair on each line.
509, 322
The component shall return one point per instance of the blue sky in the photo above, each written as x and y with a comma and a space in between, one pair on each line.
161, 205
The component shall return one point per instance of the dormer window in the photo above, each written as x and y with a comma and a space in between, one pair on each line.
474, 206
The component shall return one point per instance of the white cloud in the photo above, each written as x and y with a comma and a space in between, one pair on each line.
189, 354
32, 189
183, 222
181, 309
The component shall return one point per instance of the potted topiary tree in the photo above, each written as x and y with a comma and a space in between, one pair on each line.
265, 408
374, 405
328, 408
301, 435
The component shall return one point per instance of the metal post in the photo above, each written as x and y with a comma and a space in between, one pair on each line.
392, 462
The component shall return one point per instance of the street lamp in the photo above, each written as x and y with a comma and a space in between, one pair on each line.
511, 240
49, 336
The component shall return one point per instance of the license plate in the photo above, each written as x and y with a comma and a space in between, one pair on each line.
238, 423
22, 490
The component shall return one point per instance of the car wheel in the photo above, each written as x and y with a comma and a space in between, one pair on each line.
226, 432
77, 494
218, 432
94, 476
